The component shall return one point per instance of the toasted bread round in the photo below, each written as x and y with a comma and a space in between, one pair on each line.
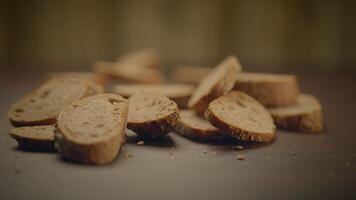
189, 74
217, 83
178, 93
194, 127
128, 73
241, 116
305, 115
152, 114
146, 58
34, 137
95, 77
92, 130
42, 106
269, 89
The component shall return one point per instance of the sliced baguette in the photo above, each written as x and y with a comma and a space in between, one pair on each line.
92, 130
42, 106
179, 93
39, 138
242, 117
146, 58
189, 74
151, 114
217, 83
95, 77
269, 89
305, 115
194, 127
128, 73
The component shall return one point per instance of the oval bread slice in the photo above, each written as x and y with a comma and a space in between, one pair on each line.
217, 83
305, 115
178, 93
92, 130
145, 57
95, 77
194, 127
39, 138
151, 114
42, 106
269, 89
128, 73
242, 117
189, 74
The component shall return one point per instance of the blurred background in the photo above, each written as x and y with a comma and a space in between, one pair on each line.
264, 34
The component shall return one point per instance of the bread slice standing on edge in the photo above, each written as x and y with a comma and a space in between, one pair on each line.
194, 127
151, 114
269, 89
305, 115
242, 117
92, 76
177, 92
145, 57
42, 106
217, 83
39, 138
92, 130
129, 73
189, 74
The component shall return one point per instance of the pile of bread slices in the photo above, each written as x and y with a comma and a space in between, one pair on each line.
69, 112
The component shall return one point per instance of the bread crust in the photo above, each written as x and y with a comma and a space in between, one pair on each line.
27, 141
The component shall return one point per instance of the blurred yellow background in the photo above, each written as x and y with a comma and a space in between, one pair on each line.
72, 34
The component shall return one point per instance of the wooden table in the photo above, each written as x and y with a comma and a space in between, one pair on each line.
294, 166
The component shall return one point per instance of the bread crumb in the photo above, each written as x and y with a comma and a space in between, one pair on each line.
171, 157
240, 157
128, 155
140, 143
294, 153
239, 147
170, 153
204, 152
18, 170
214, 152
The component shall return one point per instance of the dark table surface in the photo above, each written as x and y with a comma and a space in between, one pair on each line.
294, 166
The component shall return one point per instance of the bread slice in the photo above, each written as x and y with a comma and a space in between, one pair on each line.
242, 117
37, 138
305, 115
128, 73
95, 77
151, 114
179, 93
92, 130
217, 83
269, 89
42, 106
189, 74
145, 57
194, 127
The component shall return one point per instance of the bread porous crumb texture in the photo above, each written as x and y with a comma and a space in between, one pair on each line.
242, 117
152, 114
305, 115
220, 81
92, 130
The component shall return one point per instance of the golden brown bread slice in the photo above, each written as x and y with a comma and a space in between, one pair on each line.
189, 74
242, 117
177, 92
128, 73
152, 114
92, 76
145, 57
269, 89
194, 127
217, 83
305, 115
34, 137
92, 130
42, 106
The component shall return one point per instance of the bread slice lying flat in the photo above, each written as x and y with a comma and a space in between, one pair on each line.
128, 73
152, 114
217, 83
194, 127
179, 93
95, 77
34, 137
42, 106
92, 130
146, 58
305, 115
269, 89
241, 116
189, 74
